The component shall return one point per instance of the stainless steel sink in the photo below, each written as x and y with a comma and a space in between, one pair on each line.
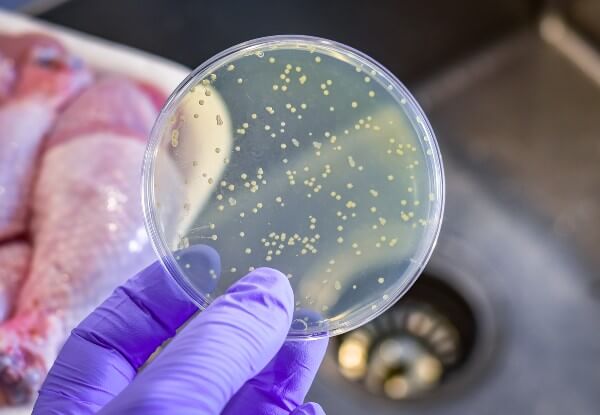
519, 127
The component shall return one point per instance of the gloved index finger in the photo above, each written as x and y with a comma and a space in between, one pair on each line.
103, 353
282, 385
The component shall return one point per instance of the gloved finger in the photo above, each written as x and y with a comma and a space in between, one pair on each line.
283, 384
310, 408
103, 353
216, 353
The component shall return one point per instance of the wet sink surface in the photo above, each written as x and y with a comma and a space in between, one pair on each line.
523, 224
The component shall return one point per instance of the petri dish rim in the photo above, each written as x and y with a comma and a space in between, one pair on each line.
419, 122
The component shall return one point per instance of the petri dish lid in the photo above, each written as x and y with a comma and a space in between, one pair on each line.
300, 154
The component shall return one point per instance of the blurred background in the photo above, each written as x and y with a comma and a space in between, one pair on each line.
506, 317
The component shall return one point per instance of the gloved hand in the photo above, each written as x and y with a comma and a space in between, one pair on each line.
231, 359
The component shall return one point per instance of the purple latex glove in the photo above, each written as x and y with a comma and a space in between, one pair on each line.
231, 359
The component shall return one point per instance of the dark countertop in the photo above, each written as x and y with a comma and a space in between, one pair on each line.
413, 39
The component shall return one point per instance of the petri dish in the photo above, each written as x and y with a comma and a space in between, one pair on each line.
304, 155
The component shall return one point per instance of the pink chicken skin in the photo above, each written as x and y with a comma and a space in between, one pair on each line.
85, 225
14, 263
37, 77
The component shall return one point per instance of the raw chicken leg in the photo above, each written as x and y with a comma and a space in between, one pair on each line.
37, 77
87, 226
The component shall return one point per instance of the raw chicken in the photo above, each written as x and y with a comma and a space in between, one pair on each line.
14, 262
87, 226
37, 77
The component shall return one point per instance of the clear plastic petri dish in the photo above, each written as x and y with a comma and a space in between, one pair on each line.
303, 155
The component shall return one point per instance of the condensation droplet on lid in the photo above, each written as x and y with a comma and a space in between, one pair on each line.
380, 280
230, 67
240, 80
271, 59
317, 59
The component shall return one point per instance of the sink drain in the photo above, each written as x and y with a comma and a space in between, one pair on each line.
416, 347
